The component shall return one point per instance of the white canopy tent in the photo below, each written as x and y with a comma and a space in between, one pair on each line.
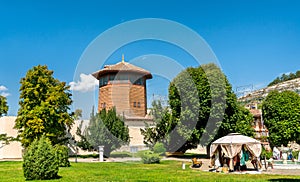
231, 145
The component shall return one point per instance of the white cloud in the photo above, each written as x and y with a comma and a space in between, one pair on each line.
3, 90
4, 94
85, 84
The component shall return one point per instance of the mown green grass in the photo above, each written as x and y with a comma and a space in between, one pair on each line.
135, 171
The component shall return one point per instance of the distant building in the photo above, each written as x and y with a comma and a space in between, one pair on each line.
123, 86
261, 131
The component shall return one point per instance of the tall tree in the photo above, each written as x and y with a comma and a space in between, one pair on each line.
3, 105
281, 113
44, 104
204, 108
107, 129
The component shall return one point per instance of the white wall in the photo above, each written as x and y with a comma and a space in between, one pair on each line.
14, 149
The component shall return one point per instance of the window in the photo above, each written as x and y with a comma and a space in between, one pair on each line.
123, 77
103, 81
112, 77
138, 104
134, 104
132, 78
139, 81
100, 82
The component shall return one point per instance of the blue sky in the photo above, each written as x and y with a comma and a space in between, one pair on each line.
254, 41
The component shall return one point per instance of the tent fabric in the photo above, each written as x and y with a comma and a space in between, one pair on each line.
231, 145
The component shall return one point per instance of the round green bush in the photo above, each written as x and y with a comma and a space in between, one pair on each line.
62, 155
150, 158
39, 160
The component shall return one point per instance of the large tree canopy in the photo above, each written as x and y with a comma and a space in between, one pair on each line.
44, 104
204, 108
281, 113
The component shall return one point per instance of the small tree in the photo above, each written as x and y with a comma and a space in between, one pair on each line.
40, 161
83, 142
44, 104
3, 106
162, 125
4, 139
106, 128
281, 114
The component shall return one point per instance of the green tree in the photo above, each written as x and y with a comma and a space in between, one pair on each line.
40, 161
285, 77
274, 82
44, 104
281, 113
160, 128
4, 139
3, 106
204, 108
107, 129
83, 142
297, 74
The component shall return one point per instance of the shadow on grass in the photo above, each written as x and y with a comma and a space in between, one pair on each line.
283, 179
190, 156
85, 156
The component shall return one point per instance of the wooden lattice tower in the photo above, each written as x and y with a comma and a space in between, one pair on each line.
123, 86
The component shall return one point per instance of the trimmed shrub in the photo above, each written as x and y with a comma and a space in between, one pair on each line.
62, 155
39, 160
150, 157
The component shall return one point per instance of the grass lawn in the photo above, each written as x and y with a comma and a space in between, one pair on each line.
135, 171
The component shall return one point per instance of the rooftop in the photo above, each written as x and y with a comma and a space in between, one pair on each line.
121, 67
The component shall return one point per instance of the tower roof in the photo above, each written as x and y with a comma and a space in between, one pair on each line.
121, 67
